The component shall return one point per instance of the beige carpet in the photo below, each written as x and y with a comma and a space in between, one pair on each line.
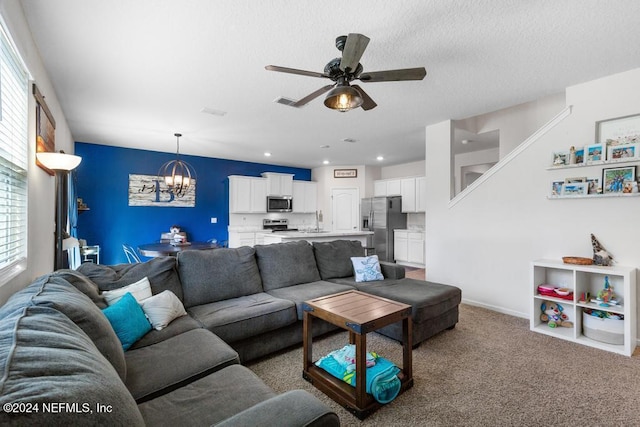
488, 371
415, 273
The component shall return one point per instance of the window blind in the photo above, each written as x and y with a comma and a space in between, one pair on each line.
14, 115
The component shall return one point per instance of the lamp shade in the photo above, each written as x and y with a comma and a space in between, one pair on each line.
343, 98
59, 161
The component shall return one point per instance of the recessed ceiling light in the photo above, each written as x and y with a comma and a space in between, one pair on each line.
267, 154
379, 158
213, 111
351, 140
325, 146
325, 162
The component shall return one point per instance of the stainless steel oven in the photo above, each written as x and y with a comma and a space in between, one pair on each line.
279, 204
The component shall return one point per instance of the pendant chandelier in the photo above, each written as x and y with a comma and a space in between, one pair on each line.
178, 175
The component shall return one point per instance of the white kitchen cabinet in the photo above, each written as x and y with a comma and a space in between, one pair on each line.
305, 194
408, 193
408, 247
387, 187
584, 282
279, 184
421, 194
243, 238
247, 194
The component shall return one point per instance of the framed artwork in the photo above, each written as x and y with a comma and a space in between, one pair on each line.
594, 153
148, 190
593, 186
579, 156
575, 180
622, 152
574, 189
345, 173
614, 179
45, 128
619, 131
556, 188
560, 158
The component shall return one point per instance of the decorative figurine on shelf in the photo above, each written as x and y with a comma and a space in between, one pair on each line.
606, 294
600, 255
552, 313
572, 155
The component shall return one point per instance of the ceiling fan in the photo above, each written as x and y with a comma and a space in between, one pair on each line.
342, 96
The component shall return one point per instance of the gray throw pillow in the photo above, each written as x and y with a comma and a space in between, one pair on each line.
216, 275
160, 271
334, 258
286, 264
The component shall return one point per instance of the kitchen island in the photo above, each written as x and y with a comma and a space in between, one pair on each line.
316, 236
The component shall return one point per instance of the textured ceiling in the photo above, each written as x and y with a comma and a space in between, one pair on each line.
132, 73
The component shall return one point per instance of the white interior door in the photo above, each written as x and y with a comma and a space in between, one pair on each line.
345, 206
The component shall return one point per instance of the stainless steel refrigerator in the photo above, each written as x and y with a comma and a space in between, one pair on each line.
382, 215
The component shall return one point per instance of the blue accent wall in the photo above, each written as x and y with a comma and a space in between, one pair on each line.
103, 184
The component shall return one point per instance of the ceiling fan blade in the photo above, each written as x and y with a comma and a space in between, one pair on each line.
312, 96
294, 71
394, 75
367, 103
353, 50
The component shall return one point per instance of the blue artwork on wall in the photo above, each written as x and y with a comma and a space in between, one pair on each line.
103, 183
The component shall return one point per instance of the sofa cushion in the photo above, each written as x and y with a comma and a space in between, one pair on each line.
83, 284
128, 320
177, 327
208, 400
160, 271
301, 293
286, 264
427, 299
54, 291
140, 290
244, 317
367, 269
157, 369
46, 359
221, 274
334, 258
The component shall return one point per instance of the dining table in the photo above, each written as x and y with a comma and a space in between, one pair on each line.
163, 249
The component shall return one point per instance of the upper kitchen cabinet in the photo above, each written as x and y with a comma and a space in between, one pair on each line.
305, 194
387, 187
413, 194
279, 184
247, 194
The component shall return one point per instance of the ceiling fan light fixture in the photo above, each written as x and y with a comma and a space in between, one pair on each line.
178, 175
343, 98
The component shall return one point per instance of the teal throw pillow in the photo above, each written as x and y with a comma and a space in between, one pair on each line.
128, 320
367, 268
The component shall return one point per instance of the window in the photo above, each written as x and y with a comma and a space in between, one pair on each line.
14, 117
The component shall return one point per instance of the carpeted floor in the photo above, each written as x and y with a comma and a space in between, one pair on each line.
415, 273
488, 371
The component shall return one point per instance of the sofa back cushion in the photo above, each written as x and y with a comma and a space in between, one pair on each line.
286, 264
45, 359
161, 272
334, 258
219, 274
55, 292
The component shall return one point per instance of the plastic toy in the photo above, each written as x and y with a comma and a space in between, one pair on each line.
552, 313
606, 294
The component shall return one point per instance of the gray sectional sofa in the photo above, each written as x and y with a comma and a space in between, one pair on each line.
62, 362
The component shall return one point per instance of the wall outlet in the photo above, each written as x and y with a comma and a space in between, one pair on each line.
214, 220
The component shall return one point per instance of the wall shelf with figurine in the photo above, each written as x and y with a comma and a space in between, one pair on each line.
616, 152
586, 304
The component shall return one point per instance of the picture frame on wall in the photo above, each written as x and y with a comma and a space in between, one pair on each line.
614, 179
580, 156
556, 188
575, 180
595, 153
618, 131
45, 128
345, 173
560, 158
621, 153
593, 186
574, 189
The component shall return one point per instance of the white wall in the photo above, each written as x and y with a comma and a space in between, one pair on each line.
404, 170
484, 244
326, 182
480, 157
41, 186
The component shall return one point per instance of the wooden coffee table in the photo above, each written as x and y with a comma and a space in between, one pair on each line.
358, 313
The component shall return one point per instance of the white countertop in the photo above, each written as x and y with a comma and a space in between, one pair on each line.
305, 235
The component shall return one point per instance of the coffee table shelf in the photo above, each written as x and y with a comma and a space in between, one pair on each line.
358, 313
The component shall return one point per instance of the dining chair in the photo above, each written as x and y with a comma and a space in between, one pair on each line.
132, 256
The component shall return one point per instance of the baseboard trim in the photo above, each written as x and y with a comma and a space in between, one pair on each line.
495, 308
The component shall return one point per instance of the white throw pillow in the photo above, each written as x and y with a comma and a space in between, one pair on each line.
162, 309
367, 268
140, 291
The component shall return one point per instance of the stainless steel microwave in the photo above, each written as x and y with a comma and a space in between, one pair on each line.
279, 204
